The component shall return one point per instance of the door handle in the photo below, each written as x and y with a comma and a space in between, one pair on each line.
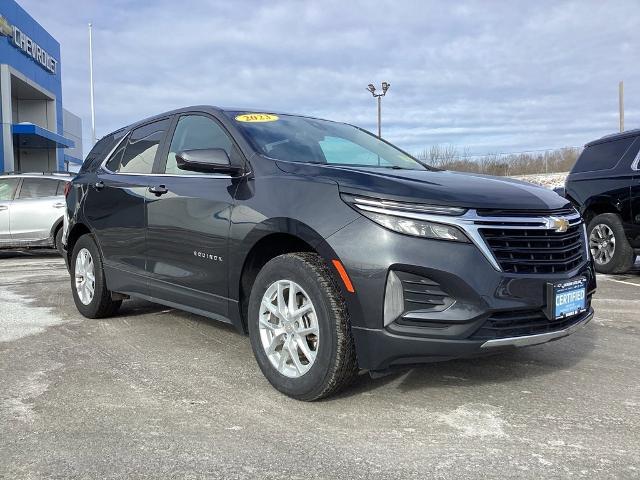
3, 207
58, 205
99, 185
158, 190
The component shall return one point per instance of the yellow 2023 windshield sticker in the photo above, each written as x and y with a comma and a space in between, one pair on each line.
256, 117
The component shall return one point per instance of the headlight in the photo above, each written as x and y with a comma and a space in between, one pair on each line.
405, 217
417, 228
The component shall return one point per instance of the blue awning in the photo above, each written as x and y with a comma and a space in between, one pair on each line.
29, 135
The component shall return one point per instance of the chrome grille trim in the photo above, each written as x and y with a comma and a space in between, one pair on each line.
390, 205
471, 223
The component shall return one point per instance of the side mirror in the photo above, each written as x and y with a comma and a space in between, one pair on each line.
208, 160
561, 191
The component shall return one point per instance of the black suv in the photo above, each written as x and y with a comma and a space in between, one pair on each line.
334, 250
605, 185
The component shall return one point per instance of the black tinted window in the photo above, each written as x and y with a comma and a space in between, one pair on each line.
100, 150
7, 187
38, 188
113, 163
140, 150
631, 154
196, 132
603, 156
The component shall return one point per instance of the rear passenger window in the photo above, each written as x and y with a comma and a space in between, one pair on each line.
100, 150
38, 188
139, 153
632, 155
602, 156
7, 187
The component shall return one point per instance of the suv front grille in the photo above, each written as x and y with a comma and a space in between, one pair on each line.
536, 250
522, 323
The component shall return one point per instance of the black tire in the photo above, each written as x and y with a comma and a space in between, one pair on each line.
57, 241
623, 255
101, 305
335, 365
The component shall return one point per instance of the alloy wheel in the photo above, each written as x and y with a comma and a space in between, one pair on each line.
602, 243
289, 330
85, 276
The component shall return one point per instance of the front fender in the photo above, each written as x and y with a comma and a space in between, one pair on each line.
240, 248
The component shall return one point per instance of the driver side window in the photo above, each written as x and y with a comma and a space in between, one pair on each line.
196, 132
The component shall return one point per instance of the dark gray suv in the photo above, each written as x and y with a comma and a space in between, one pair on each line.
334, 250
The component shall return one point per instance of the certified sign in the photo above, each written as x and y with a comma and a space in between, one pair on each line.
23, 42
569, 298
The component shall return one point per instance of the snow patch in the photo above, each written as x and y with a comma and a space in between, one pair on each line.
19, 318
19, 402
548, 180
475, 420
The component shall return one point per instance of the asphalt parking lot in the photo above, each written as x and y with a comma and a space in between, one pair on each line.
159, 393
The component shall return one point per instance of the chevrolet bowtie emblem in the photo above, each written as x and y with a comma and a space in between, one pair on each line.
558, 224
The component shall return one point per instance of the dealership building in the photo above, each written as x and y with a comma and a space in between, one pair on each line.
37, 133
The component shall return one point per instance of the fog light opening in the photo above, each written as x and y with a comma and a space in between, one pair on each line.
393, 298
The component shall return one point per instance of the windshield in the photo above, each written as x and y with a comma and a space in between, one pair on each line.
301, 139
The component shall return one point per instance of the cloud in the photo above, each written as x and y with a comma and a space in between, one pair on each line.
486, 75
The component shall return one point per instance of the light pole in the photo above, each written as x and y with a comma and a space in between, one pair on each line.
621, 104
93, 109
378, 96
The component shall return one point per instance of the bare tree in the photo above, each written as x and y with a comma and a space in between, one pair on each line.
448, 157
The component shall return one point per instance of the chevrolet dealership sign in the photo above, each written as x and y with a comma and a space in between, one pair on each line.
28, 46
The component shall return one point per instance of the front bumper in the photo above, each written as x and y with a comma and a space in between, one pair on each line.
386, 350
538, 339
480, 300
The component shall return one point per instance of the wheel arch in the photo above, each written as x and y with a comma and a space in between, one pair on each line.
598, 206
57, 225
77, 231
267, 241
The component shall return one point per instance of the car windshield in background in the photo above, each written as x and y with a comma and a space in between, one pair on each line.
302, 139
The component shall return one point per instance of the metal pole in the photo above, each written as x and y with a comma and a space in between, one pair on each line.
621, 104
379, 117
93, 110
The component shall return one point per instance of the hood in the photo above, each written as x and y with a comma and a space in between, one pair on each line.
455, 189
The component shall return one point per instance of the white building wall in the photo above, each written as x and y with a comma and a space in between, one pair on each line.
72, 128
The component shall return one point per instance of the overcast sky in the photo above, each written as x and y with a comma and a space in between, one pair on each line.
485, 76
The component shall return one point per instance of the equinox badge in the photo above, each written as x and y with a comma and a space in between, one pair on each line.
207, 256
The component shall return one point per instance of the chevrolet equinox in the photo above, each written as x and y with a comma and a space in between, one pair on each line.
333, 249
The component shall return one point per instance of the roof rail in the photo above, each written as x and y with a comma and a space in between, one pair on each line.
614, 136
59, 172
